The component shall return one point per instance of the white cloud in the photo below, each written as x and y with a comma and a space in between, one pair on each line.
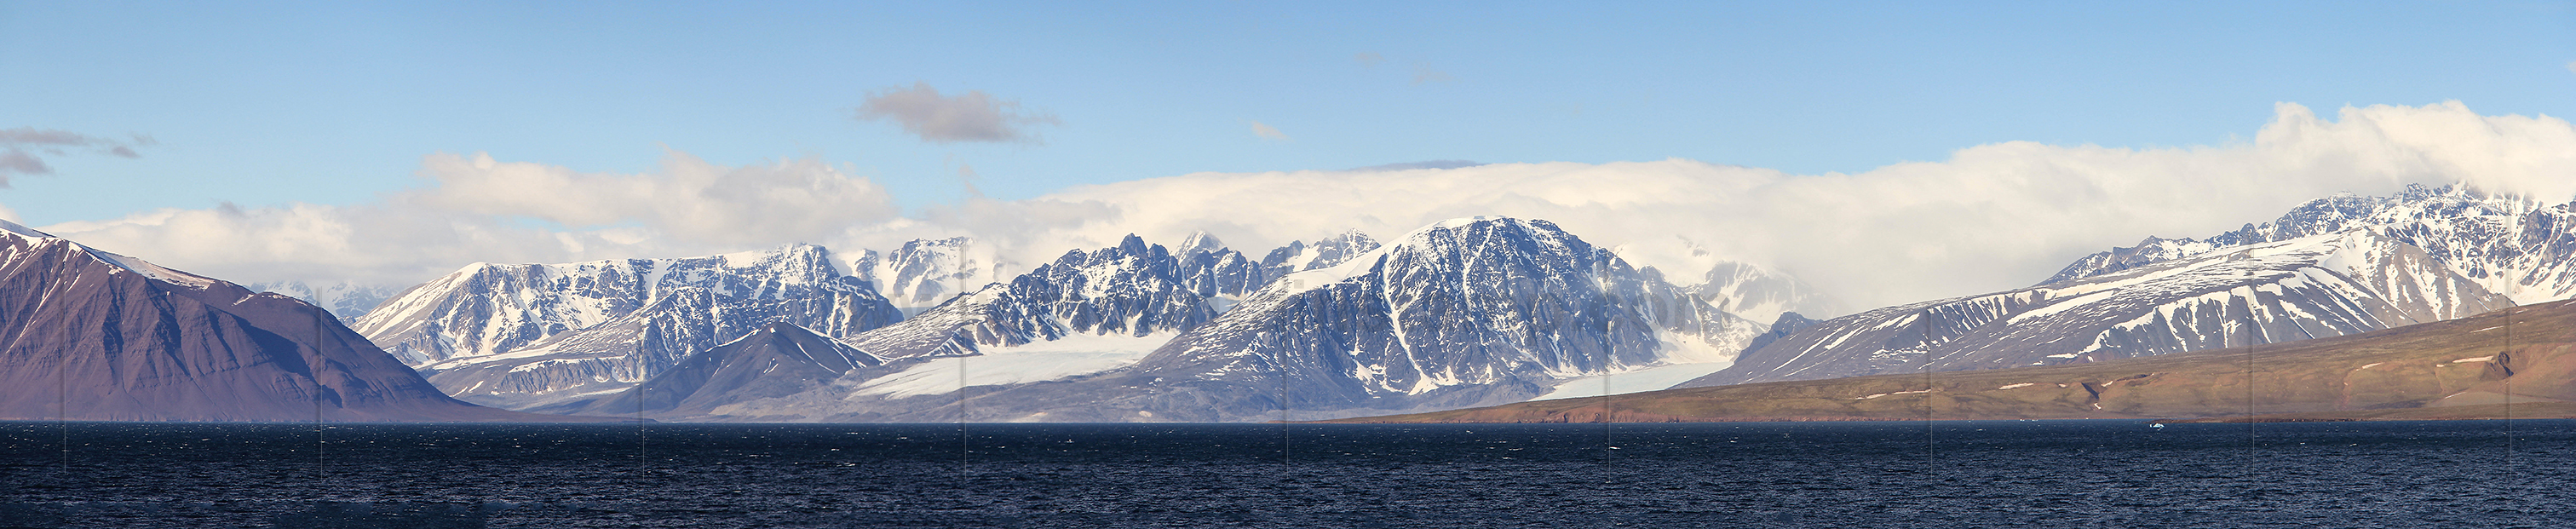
690, 200
477, 209
972, 116
1268, 132
1989, 218
2571, 66
1992, 217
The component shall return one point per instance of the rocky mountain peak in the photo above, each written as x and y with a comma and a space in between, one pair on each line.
1199, 242
1299, 256
926, 272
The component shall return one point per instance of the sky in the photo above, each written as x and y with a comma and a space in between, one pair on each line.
389, 142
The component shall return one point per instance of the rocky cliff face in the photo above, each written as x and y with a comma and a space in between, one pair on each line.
93, 335
524, 336
2319, 286
1133, 289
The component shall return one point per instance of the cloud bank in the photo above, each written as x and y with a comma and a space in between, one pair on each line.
1989, 218
970, 117
475, 209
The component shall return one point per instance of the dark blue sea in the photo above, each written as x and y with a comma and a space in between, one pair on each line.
1884, 474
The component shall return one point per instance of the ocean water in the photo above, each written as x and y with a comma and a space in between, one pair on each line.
1886, 474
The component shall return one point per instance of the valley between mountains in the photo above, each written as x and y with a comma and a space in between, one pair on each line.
2360, 306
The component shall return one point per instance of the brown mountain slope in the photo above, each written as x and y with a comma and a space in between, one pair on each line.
2459, 369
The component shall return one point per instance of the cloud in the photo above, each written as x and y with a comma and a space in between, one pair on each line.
2571, 66
1368, 59
18, 148
966, 178
1267, 132
474, 208
16, 161
970, 117
1991, 217
1426, 164
1422, 73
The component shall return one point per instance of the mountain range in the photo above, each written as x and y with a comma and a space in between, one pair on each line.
1461, 313
522, 336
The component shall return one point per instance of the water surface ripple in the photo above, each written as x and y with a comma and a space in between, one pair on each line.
1889, 474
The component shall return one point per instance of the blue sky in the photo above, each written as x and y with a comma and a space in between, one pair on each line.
336, 103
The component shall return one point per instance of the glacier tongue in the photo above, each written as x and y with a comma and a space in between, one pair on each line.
1638, 381
1075, 355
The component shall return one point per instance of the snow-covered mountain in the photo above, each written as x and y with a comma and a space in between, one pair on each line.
926, 272
1086, 312
1300, 256
1132, 290
345, 299
1461, 313
1760, 294
534, 334
2511, 245
2317, 286
128, 340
